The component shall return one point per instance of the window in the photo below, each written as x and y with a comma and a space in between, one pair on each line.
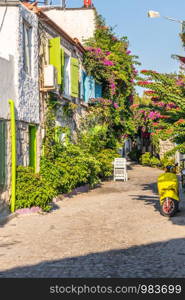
32, 146
67, 75
2, 152
27, 39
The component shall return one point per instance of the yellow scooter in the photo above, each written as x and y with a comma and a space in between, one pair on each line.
168, 188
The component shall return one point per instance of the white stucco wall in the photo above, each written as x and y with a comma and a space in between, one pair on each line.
7, 90
8, 50
22, 88
78, 23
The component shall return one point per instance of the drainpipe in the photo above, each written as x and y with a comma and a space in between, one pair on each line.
13, 156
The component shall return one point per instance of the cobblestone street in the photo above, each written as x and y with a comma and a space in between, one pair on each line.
115, 230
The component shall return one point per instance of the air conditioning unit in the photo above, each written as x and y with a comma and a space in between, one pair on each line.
50, 77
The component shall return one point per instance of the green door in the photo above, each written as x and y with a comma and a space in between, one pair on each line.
33, 147
2, 152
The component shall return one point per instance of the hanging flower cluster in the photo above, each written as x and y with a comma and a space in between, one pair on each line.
100, 55
104, 102
154, 115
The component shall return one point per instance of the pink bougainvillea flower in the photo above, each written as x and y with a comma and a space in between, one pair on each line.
108, 53
154, 115
116, 105
141, 111
89, 48
128, 52
112, 85
160, 104
98, 50
180, 82
150, 92
107, 62
144, 82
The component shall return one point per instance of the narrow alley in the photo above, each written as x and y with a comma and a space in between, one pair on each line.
113, 231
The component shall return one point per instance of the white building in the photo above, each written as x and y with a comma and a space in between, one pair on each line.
19, 82
38, 60
79, 23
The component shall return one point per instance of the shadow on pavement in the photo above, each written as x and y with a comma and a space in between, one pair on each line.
178, 219
156, 260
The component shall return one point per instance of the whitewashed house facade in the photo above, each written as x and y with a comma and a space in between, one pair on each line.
18, 82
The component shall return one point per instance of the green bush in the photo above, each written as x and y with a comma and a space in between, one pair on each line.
106, 158
71, 168
155, 162
148, 160
145, 159
165, 161
31, 190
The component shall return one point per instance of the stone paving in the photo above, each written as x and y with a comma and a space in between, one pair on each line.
114, 230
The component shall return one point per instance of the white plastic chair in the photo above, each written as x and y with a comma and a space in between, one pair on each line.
120, 169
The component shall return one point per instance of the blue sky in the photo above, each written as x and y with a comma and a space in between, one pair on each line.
153, 40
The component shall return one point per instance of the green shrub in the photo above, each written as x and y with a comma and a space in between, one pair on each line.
148, 160
155, 162
106, 158
31, 190
145, 159
165, 161
72, 167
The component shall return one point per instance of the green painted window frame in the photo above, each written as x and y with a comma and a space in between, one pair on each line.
2, 153
33, 146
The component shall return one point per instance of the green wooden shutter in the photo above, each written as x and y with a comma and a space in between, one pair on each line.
32, 147
62, 68
74, 77
2, 152
55, 56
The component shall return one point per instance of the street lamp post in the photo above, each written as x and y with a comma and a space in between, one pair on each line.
156, 14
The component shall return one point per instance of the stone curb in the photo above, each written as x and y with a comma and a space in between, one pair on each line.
7, 218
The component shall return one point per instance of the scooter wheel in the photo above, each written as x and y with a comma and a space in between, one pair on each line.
169, 207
